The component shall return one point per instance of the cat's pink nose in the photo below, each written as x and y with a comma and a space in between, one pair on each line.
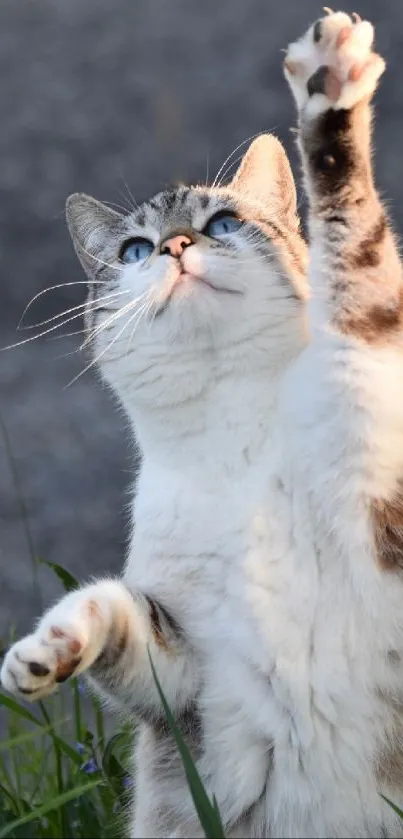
175, 245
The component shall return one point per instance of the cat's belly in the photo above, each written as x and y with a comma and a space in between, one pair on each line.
300, 694
307, 660
295, 653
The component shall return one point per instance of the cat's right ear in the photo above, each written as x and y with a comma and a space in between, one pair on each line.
94, 229
265, 175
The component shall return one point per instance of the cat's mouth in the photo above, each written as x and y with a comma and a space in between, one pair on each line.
194, 279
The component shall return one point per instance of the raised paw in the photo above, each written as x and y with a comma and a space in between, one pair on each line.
67, 641
333, 65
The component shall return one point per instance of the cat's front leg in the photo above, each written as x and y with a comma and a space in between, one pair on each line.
355, 270
107, 631
68, 639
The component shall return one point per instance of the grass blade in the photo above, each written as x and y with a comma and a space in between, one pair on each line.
67, 580
393, 806
56, 802
8, 795
23, 509
14, 706
58, 765
77, 711
6, 745
208, 813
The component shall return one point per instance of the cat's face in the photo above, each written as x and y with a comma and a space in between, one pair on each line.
198, 274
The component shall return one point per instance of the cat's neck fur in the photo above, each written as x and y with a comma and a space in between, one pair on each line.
220, 429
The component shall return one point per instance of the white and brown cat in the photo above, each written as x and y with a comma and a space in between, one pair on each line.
265, 569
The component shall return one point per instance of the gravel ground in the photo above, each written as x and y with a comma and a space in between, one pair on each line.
113, 99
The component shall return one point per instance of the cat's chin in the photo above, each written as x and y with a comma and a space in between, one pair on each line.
187, 277
187, 285
188, 280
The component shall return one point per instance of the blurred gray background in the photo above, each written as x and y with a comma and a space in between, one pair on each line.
117, 98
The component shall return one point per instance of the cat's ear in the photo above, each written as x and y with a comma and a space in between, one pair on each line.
265, 175
94, 229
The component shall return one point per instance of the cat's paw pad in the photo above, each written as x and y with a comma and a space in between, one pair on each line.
63, 645
333, 65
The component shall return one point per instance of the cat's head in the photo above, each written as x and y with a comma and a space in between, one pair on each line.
196, 281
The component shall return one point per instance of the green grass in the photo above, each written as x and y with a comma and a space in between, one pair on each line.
52, 782
60, 776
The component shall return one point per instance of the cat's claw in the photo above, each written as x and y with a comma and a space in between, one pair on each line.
65, 643
333, 64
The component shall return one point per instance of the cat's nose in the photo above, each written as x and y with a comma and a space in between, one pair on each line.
175, 245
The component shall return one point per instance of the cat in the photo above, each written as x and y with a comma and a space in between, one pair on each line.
189, 295
265, 572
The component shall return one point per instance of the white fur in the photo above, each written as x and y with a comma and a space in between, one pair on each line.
252, 526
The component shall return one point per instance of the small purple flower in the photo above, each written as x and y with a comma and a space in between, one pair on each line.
127, 782
90, 766
80, 748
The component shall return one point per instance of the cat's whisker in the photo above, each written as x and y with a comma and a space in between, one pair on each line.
207, 170
227, 159
80, 306
251, 260
226, 172
110, 320
52, 288
102, 326
67, 354
134, 204
143, 316
101, 354
67, 335
152, 319
41, 334
257, 239
122, 207
89, 306
101, 261
127, 206
142, 312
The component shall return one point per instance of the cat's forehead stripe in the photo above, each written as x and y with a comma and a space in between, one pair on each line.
170, 199
204, 199
178, 204
140, 218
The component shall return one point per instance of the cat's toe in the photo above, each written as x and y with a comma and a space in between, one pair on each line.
34, 666
332, 65
29, 668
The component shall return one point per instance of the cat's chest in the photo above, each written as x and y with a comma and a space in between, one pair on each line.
191, 534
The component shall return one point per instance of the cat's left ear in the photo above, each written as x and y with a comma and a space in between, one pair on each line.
265, 175
95, 230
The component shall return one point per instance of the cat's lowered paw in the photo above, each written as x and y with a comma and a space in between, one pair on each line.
333, 65
67, 641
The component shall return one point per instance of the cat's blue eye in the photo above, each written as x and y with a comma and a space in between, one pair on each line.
135, 250
222, 224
